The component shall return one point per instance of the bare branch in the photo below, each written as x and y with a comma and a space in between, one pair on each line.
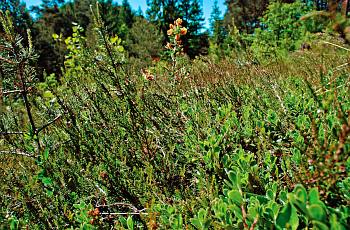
18, 152
140, 212
11, 91
20, 75
4, 48
119, 204
10, 133
48, 124
123, 213
6, 60
338, 46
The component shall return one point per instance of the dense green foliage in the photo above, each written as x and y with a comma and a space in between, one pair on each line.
283, 28
131, 135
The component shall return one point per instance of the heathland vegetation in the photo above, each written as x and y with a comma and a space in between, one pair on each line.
112, 119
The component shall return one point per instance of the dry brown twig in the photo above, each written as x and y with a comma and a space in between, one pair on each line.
18, 152
8, 61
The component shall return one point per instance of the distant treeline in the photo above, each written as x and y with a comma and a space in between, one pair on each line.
144, 36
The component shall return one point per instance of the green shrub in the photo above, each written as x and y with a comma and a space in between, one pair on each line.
282, 29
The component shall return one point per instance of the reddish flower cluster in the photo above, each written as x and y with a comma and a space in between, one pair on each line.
176, 30
147, 75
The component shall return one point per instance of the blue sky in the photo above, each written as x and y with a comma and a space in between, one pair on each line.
206, 5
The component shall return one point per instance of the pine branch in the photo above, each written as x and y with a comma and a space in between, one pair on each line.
24, 93
6, 60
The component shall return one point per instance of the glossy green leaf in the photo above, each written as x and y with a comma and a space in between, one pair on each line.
234, 179
316, 212
195, 222
319, 225
313, 196
288, 217
130, 223
46, 181
236, 197
300, 193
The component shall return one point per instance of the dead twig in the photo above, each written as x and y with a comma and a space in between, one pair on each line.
18, 152
10, 133
4, 48
48, 124
120, 204
11, 92
338, 46
6, 60
140, 212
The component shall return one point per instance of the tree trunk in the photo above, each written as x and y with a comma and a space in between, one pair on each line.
344, 7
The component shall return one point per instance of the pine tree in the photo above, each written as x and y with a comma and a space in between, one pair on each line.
197, 40
216, 25
246, 14
144, 40
51, 3
111, 15
139, 12
162, 13
78, 11
185, 7
196, 18
154, 11
126, 13
19, 14
215, 16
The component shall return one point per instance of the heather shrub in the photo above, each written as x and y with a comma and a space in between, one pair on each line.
181, 144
